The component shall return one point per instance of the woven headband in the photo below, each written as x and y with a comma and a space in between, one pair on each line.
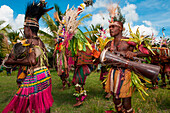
31, 22
115, 24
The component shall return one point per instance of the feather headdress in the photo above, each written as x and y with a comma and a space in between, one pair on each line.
115, 15
34, 12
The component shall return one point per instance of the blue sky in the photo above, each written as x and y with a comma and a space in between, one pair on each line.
149, 15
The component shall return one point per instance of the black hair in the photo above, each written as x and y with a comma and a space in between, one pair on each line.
34, 10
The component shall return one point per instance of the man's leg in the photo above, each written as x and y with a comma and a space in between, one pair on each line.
118, 105
79, 88
127, 105
63, 81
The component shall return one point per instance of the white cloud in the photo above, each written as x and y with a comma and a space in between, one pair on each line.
147, 23
99, 19
130, 13
144, 30
100, 7
18, 22
6, 14
97, 5
100, 14
46, 29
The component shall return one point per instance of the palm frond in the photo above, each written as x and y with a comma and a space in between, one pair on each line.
42, 33
50, 23
88, 32
1, 22
5, 46
84, 17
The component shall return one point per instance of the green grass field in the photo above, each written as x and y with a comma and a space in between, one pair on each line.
157, 102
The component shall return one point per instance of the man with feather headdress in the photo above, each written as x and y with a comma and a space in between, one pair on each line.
79, 47
34, 93
119, 79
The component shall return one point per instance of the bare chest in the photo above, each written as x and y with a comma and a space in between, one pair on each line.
122, 46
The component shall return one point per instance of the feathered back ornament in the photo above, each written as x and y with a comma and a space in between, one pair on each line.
69, 27
34, 12
69, 21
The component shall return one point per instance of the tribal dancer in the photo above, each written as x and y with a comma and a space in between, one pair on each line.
162, 59
34, 93
119, 79
79, 46
61, 62
165, 64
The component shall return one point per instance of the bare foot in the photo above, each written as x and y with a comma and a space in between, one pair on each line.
78, 104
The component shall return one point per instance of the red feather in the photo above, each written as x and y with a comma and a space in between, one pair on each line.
143, 49
131, 43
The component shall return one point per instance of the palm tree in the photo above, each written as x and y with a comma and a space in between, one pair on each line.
4, 47
92, 32
4, 30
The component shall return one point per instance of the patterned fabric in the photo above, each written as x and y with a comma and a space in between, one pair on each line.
118, 83
22, 72
81, 74
84, 57
34, 93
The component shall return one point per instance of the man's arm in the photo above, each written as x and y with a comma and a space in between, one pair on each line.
130, 54
30, 61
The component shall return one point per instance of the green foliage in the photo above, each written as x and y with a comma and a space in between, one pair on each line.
50, 23
92, 32
139, 39
59, 13
4, 47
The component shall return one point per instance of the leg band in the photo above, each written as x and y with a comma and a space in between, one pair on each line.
119, 105
130, 110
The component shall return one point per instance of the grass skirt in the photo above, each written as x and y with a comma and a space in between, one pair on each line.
118, 83
34, 95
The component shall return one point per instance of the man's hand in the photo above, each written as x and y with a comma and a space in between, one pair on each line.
130, 54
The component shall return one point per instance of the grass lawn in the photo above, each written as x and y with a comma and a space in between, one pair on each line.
157, 102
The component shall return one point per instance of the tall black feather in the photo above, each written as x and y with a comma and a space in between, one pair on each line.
34, 10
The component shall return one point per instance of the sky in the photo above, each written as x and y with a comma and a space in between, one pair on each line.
149, 15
